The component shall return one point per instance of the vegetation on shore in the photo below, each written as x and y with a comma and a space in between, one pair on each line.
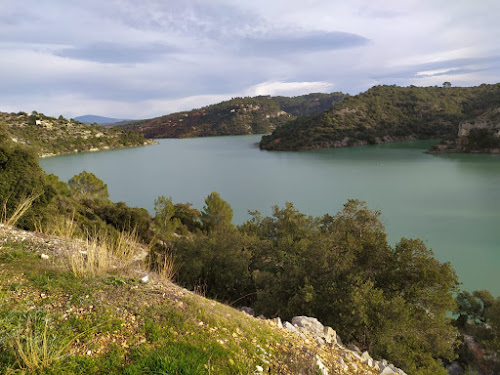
394, 301
49, 136
386, 114
237, 116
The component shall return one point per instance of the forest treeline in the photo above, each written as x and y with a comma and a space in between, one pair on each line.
387, 114
238, 116
393, 300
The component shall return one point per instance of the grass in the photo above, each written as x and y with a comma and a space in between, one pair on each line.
54, 320
22, 207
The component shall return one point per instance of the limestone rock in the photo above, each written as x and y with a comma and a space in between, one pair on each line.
311, 325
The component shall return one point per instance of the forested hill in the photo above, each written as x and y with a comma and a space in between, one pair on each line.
237, 116
386, 114
49, 136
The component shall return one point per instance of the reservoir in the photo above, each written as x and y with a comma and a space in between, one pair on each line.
452, 202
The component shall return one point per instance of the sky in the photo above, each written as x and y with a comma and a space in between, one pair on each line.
139, 59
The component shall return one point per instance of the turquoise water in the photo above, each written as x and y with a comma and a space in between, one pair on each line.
450, 201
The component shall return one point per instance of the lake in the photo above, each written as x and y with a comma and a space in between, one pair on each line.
450, 201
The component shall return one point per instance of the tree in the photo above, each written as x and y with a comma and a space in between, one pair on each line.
446, 84
217, 213
21, 178
164, 215
88, 185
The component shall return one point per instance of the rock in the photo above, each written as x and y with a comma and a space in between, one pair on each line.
321, 366
44, 256
339, 341
354, 348
311, 325
454, 369
248, 310
145, 279
342, 364
388, 371
289, 326
365, 356
259, 368
278, 322
329, 335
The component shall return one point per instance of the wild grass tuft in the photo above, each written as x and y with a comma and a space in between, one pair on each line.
102, 253
22, 207
165, 269
34, 347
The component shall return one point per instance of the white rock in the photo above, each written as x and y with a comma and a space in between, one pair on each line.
290, 327
145, 279
387, 371
312, 325
259, 368
329, 335
44, 256
342, 364
321, 366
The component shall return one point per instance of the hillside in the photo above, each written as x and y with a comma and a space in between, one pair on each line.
480, 134
386, 114
52, 136
56, 317
237, 116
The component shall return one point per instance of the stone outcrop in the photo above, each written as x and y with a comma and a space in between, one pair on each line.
312, 329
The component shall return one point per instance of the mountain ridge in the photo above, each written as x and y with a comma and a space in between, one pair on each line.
238, 116
385, 114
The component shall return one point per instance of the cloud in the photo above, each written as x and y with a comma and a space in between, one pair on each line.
301, 42
124, 58
288, 88
117, 53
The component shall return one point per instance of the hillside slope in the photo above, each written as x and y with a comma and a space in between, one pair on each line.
55, 320
480, 134
237, 116
386, 114
52, 136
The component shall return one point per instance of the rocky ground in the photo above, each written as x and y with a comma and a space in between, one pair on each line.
130, 320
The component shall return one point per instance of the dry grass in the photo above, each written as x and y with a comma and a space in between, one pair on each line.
23, 206
61, 226
165, 270
102, 253
35, 349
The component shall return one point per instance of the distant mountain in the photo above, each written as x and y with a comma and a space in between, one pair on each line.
390, 114
237, 116
90, 119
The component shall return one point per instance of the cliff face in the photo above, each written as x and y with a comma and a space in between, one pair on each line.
480, 134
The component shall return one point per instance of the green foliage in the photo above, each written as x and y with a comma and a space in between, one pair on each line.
20, 178
164, 215
384, 114
88, 185
237, 116
480, 139
392, 301
59, 135
478, 316
217, 213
